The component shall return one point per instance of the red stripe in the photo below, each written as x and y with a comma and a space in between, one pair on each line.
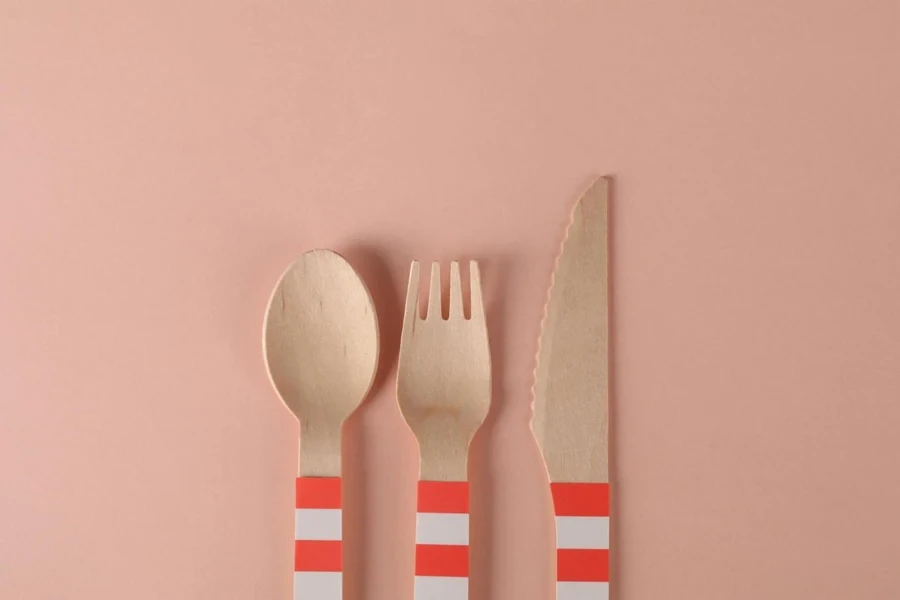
442, 561
316, 555
444, 497
582, 565
580, 499
318, 492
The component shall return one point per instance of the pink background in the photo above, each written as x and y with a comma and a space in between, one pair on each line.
162, 162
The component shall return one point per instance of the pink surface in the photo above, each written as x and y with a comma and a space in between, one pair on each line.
162, 162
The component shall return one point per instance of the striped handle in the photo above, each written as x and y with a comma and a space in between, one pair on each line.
317, 539
442, 541
582, 540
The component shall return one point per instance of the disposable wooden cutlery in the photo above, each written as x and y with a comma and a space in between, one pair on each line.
320, 344
571, 401
444, 390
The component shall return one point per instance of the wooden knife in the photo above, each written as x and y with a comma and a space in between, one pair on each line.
571, 391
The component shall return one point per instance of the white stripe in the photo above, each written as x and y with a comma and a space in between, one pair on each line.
441, 528
582, 533
582, 590
317, 524
441, 588
317, 586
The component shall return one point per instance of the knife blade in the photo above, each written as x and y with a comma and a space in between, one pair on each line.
571, 394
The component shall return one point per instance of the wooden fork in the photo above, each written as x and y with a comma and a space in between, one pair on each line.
444, 390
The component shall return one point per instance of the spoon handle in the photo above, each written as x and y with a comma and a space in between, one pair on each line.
582, 540
442, 540
317, 539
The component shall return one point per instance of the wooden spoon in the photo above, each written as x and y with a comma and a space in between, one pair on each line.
320, 342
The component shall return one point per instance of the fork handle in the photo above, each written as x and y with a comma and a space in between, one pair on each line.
582, 540
317, 539
442, 540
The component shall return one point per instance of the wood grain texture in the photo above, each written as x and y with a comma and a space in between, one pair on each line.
444, 377
321, 349
571, 391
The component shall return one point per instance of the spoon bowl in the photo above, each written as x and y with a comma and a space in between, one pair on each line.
320, 343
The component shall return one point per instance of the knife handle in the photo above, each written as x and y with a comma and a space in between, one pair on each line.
317, 539
582, 540
442, 540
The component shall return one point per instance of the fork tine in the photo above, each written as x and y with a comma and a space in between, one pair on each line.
412, 299
477, 302
456, 302
434, 294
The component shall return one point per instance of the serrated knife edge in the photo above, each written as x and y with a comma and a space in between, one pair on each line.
571, 374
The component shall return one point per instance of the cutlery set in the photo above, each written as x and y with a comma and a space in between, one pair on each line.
321, 348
